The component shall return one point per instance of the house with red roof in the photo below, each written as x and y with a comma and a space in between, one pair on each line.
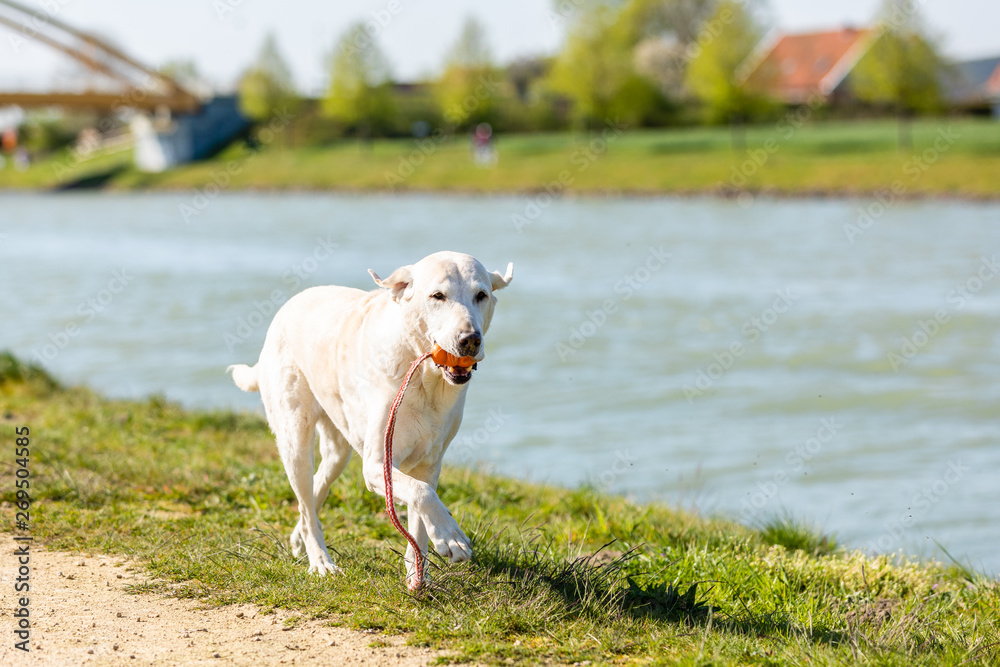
797, 67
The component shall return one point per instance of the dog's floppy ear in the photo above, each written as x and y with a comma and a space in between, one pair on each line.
398, 283
498, 281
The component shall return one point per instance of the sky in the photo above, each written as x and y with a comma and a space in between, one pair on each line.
223, 36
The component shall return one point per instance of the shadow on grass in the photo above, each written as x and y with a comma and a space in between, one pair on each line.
92, 181
512, 588
844, 146
615, 585
680, 144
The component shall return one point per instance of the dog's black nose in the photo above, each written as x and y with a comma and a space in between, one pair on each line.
468, 345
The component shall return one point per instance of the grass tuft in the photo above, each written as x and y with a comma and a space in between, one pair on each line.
666, 601
786, 530
17, 373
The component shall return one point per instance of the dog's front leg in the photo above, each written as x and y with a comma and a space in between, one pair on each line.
421, 499
417, 528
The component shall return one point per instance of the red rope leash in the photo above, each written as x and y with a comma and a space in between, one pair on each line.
390, 507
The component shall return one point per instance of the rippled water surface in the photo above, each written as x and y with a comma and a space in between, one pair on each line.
760, 367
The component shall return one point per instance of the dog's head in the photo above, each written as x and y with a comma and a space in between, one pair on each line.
447, 298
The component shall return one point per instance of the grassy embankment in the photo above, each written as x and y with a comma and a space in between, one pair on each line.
202, 501
962, 159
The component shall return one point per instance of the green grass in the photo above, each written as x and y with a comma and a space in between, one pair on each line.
786, 530
843, 158
558, 575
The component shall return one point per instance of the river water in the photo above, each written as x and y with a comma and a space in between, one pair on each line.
835, 359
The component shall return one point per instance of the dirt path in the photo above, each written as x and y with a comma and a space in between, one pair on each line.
81, 614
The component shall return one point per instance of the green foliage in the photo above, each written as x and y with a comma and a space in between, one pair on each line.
679, 20
786, 530
31, 376
471, 50
42, 135
360, 92
632, 60
467, 92
731, 35
185, 72
268, 86
902, 68
181, 69
664, 600
593, 65
530, 105
639, 103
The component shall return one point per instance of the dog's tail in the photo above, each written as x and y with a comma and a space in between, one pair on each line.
244, 376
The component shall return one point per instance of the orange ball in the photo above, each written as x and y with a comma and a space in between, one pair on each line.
442, 358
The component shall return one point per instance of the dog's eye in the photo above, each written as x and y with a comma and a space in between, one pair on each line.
438, 296
481, 297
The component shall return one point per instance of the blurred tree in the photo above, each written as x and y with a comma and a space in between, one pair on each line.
467, 91
594, 63
621, 65
268, 86
186, 73
182, 70
471, 50
638, 102
360, 92
524, 74
902, 69
42, 135
663, 32
527, 104
726, 40
680, 21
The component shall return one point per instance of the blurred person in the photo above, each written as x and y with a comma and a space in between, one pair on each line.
483, 151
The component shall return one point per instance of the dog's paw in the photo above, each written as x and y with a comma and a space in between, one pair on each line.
451, 543
414, 584
323, 569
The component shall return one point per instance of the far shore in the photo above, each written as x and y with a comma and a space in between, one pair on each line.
768, 194
949, 159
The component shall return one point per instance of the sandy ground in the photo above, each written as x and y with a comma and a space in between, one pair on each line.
81, 614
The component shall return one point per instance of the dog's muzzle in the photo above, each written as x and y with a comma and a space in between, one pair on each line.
456, 369
457, 374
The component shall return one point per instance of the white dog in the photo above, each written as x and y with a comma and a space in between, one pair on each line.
333, 360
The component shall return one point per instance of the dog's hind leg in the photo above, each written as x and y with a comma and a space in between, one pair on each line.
335, 452
292, 412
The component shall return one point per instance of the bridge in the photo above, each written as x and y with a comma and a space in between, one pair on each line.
170, 125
